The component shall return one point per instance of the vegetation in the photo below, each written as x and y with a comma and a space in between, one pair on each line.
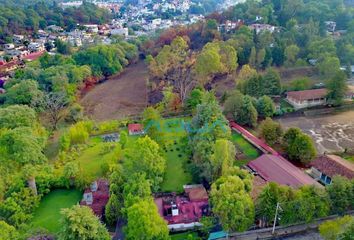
341, 228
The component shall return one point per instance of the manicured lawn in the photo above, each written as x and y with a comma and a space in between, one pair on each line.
92, 158
176, 175
47, 215
183, 236
245, 147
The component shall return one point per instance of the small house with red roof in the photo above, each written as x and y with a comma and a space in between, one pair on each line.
96, 197
325, 167
183, 212
307, 98
135, 129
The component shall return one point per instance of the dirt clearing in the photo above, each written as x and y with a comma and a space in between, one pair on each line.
120, 96
331, 133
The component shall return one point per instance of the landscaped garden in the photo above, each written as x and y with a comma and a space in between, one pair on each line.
47, 215
246, 150
176, 174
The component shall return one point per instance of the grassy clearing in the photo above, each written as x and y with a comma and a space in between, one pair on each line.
183, 236
176, 175
245, 147
93, 158
47, 215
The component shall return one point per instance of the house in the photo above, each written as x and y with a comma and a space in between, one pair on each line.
96, 197
120, 31
135, 129
183, 212
274, 168
307, 98
325, 167
262, 27
36, 47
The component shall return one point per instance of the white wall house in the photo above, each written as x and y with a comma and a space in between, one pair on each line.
307, 98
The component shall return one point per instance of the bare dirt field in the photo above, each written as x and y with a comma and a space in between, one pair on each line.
120, 96
331, 133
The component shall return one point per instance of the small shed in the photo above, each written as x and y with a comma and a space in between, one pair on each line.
136, 129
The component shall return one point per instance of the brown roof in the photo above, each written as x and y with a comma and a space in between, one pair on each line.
277, 169
307, 94
332, 165
196, 192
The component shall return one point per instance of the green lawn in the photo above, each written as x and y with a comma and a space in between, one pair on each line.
245, 147
176, 175
183, 236
47, 215
92, 158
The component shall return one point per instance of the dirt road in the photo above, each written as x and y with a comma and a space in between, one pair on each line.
331, 133
121, 96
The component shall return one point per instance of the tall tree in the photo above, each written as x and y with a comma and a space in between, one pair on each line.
232, 203
79, 222
265, 106
341, 194
144, 222
145, 157
223, 157
337, 88
271, 131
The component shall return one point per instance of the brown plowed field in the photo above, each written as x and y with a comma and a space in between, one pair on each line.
121, 96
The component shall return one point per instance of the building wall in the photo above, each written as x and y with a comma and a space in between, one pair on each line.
305, 104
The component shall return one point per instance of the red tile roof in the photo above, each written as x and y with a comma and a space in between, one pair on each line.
308, 94
100, 197
135, 127
196, 192
332, 165
277, 169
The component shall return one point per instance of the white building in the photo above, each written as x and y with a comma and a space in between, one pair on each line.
307, 98
120, 32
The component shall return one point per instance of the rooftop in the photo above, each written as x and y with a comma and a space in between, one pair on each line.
96, 197
308, 94
332, 165
277, 169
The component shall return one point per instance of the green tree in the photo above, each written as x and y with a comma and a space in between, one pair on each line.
113, 209
145, 157
144, 222
8, 231
265, 107
136, 188
63, 47
71, 172
17, 116
336, 229
123, 139
271, 131
299, 146
291, 53
248, 114
195, 98
341, 194
329, 67
223, 157
23, 92
79, 222
152, 123
232, 203
271, 83
337, 88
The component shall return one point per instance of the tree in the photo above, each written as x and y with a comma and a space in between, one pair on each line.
248, 114
136, 188
271, 83
246, 73
152, 123
21, 148
341, 194
233, 105
232, 204
271, 195
79, 222
113, 209
71, 172
223, 157
53, 104
17, 116
271, 131
8, 231
291, 53
337, 88
144, 222
253, 57
145, 157
123, 138
329, 67
195, 98
265, 107
336, 229
24, 92
63, 47
299, 146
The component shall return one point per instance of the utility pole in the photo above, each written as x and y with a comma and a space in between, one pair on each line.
275, 217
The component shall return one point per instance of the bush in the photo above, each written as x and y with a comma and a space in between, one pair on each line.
76, 113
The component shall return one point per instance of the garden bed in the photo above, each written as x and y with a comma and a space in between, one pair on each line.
248, 152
